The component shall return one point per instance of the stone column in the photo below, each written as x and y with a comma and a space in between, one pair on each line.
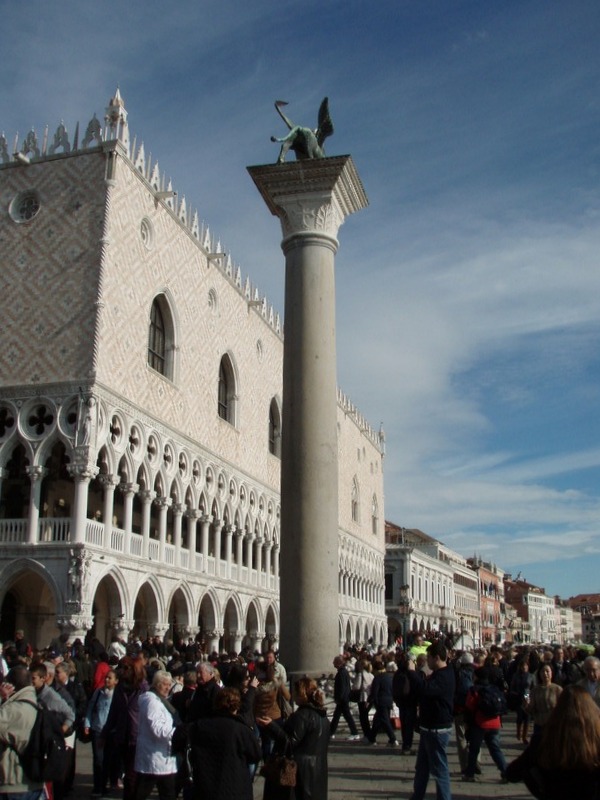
239, 556
212, 640
36, 476
129, 490
147, 497
204, 531
218, 523
228, 548
178, 510
311, 198
249, 539
163, 504
82, 474
193, 515
109, 484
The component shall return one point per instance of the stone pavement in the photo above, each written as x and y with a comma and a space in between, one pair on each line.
361, 772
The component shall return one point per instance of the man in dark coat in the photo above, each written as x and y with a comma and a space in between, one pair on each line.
203, 701
341, 695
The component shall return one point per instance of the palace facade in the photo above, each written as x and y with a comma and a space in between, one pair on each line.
140, 414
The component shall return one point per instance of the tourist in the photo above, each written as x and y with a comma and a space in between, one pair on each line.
543, 698
362, 683
436, 700
565, 761
591, 682
307, 732
382, 698
93, 725
155, 764
341, 695
223, 749
518, 697
483, 726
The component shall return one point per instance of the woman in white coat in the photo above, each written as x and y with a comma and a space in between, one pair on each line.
155, 764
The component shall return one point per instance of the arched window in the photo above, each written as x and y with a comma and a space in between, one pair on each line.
226, 396
161, 338
274, 429
355, 505
374, 515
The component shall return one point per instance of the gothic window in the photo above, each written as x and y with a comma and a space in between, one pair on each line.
274, 429
374, 516
161, 338
355, 506
226, 402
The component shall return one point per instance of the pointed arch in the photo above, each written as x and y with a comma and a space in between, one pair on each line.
162, 336
228, 391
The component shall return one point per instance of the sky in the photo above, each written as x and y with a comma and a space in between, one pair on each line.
468, 292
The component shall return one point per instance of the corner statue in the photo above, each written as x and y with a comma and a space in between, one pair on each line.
305, 142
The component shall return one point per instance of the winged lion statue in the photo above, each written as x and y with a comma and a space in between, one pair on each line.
305, 142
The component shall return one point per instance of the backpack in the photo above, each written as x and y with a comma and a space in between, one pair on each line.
464, 681
45, 755
491, 701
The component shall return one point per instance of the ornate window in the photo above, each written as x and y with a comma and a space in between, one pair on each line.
161, 338
274, 429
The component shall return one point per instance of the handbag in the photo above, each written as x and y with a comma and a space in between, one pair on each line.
280, 770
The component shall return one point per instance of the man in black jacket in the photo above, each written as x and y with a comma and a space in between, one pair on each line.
436, 700
341, 695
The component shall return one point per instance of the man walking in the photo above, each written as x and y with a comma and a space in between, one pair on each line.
436, 699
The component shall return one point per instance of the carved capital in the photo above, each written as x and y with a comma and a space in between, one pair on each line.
109, 481
147, 496
129, 489
179, 508
36, 473
82, 472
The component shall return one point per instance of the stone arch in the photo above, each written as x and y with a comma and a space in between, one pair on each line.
15, 489
58, 488
232, 617
148, 607
209, 614
271, 627
31, 599
109, 605
252, 625
179, 607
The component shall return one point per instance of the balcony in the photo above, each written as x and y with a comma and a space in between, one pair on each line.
57, 530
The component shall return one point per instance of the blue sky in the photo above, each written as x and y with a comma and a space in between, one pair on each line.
468, 293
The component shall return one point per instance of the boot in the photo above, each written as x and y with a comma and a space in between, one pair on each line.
525, 731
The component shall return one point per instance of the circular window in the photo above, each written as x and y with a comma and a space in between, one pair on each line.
25, 206
147, 233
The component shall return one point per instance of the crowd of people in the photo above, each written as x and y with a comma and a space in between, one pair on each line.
163, 715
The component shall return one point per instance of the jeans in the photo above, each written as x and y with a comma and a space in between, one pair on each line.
432, 759
478, 735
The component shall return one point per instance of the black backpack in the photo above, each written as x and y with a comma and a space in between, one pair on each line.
464, 681
492, 701
45, 756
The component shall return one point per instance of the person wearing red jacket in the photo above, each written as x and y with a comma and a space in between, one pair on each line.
482, 728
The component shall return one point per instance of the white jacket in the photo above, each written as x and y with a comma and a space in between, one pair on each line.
155, 731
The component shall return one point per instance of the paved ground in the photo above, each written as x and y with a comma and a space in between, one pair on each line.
360, 772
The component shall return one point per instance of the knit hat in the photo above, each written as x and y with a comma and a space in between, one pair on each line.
466, 658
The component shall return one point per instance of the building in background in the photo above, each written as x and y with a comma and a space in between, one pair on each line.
140, 414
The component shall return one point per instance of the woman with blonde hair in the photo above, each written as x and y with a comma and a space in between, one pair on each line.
565, 762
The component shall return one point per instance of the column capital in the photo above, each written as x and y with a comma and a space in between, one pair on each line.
178, 508
311, 196
129, 488
36, 472
206, 519
82, 472
193, 513
109, 481
147, 496
163, 502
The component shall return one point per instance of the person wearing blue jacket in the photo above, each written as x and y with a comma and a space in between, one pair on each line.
93, 724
